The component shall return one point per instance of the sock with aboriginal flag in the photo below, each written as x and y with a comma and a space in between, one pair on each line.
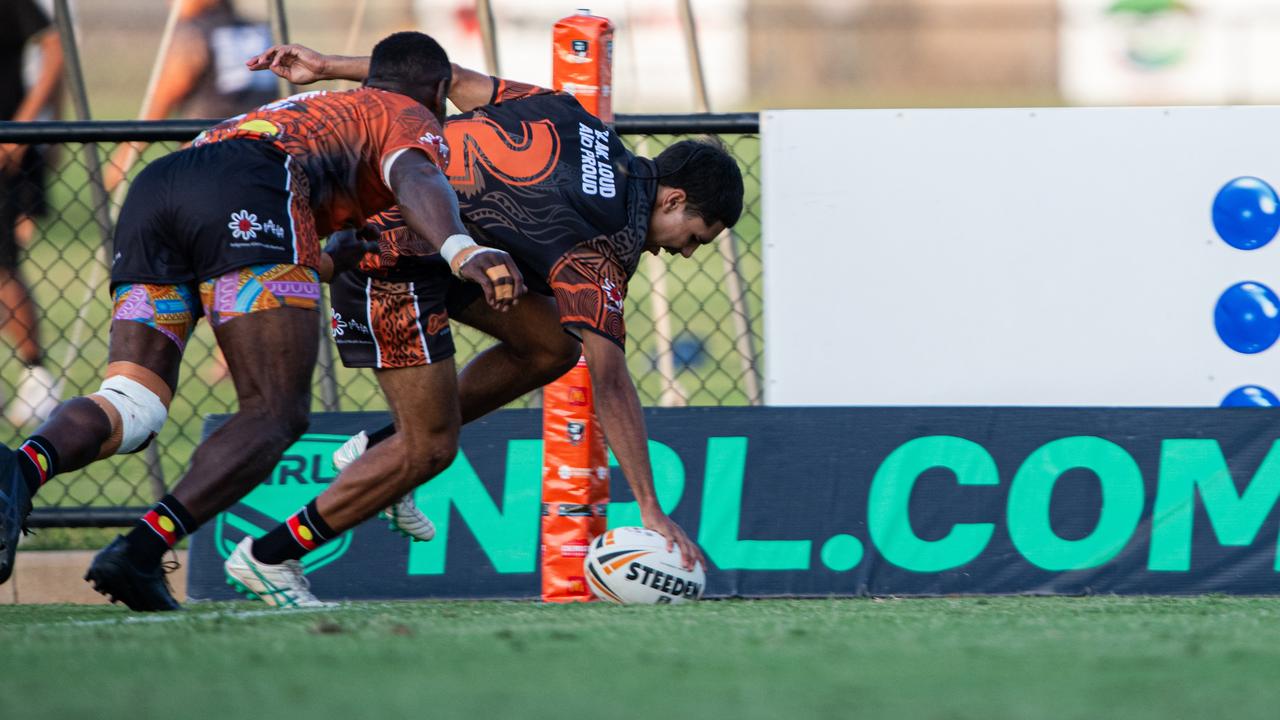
293, 538
158, 531
38, 462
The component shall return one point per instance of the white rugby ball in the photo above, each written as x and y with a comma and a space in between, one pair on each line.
631, 566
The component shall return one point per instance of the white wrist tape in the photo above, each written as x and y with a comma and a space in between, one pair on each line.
480, 250
455, 244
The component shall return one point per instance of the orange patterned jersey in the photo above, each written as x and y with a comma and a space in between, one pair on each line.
341, 139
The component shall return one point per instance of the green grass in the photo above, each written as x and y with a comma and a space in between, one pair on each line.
953, 659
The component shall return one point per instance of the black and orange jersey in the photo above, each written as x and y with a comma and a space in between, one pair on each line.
542, 178
340, 139
535, 170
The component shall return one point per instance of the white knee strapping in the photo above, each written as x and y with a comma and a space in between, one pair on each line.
142, 414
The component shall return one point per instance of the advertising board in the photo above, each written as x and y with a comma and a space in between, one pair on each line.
837, 501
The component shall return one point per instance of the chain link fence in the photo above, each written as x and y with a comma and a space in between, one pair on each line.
694, 326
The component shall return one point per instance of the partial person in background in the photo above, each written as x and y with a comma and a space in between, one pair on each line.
22, 197
203, 75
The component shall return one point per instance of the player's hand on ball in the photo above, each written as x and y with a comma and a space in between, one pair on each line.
662, 524
298, 64
496, 272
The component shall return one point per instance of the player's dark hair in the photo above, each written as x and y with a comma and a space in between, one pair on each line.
709, 177
409, 58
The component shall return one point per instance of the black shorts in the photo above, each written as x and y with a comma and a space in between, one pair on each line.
201, 212
391, 323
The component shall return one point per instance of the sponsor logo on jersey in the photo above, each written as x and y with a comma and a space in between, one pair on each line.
575, 430
597, 170
271, 228
612, 295
339, 326
437, 142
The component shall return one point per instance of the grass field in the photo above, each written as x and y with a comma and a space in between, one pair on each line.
954, 659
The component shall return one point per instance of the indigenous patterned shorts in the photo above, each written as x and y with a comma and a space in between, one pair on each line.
173, 310
387, 324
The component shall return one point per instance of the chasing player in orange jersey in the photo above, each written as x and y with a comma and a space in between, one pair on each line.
230, 228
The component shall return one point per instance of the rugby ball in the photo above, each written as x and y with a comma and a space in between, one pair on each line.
631, 566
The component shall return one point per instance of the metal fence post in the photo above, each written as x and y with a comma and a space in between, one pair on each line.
728, 243
280, 31
488, 36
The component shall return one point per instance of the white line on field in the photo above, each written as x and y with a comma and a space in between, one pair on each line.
181, 616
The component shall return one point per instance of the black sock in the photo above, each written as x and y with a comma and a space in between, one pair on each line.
381, 434
38, 461
293, 538
157, 531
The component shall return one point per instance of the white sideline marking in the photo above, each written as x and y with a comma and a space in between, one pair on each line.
180, 616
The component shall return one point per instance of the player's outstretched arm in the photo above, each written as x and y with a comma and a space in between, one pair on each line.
301, 65
618, 407
470, 88
430, 209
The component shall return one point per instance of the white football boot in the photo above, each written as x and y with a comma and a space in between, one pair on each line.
282, 586
347, 453
404, 517
37, 397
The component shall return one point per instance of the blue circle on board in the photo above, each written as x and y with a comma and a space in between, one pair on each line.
1247, 317
842, 552
1250, 396
1246, 213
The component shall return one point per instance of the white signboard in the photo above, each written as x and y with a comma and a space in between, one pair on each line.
1009, 257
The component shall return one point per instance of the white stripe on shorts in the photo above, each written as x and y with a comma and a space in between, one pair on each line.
422, 334
368, 314
288, 207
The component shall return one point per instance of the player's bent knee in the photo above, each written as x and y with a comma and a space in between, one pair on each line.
280, 427
425, 460
141, 412
294, 422
564, 358
550, 359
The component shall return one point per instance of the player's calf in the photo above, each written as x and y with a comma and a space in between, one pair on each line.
404, 517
